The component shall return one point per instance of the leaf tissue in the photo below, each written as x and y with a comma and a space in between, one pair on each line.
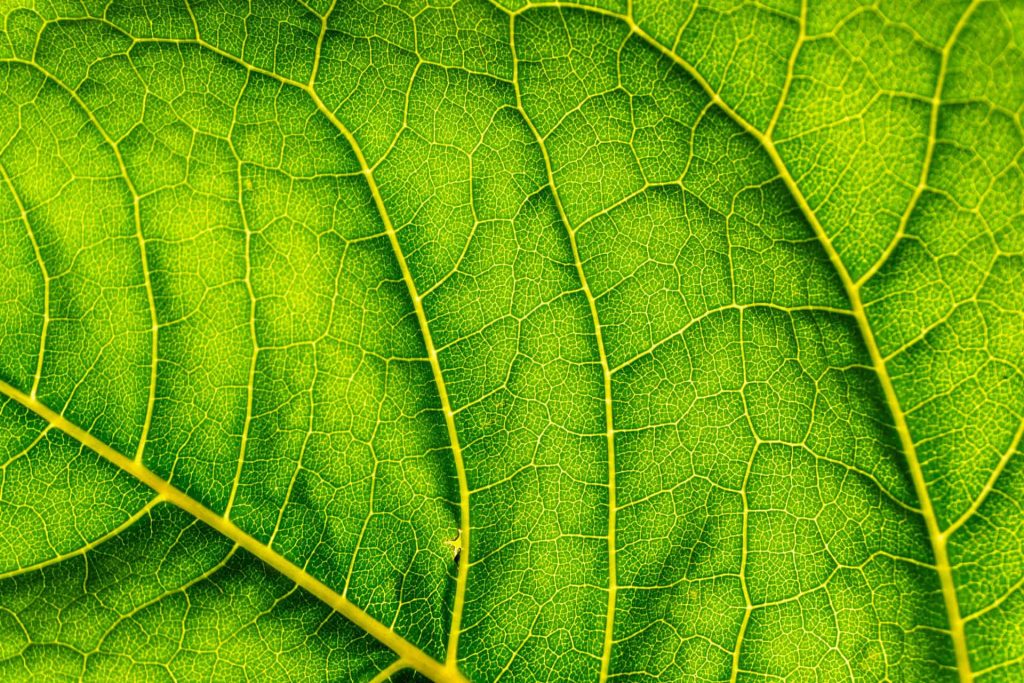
503, 340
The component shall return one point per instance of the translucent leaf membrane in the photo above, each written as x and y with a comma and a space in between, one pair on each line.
501, 341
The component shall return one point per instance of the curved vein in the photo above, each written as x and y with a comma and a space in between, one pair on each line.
929, 152
144, 260
606, 373
990, 483
386, 673
85, 547
37, 377
936, 538
250, 386
458, 606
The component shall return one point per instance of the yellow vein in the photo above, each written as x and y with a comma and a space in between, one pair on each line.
20, 454
413, 656
609, 631
929, 152
154, 326
748, 602
250, 388
85, 547
37, 377
458, 606
989, 484
787, 84
386, 673
935, 537
449, 415
995, 604
182, 589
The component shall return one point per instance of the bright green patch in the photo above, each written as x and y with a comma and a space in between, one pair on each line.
487, 340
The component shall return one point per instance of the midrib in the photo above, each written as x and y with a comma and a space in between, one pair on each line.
408, 653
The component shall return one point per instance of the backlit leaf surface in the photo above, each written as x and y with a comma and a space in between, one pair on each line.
487, 341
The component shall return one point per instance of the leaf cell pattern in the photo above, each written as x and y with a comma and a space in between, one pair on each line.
528, 341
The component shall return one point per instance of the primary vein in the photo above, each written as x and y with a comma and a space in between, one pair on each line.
412, 655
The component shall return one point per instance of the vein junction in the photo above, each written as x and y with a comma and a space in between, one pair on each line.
434, 299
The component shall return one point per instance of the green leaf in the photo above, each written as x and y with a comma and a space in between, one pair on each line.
468, 340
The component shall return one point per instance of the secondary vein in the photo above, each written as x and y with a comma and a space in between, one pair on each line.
412, 655
936, 538
38, 375
140, 239
458, 606
606, 373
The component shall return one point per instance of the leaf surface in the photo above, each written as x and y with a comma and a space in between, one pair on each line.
480, 341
